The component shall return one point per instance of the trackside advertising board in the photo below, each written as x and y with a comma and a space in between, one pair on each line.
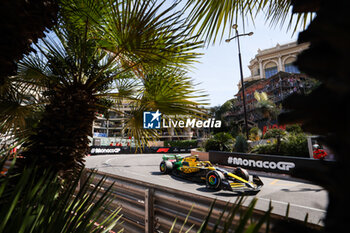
266, 163
111, 150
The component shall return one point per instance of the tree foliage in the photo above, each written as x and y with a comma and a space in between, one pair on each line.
275, 133
266, 107
211, 18
292, 145
241, 144
33, 201
254, 133
136, 52
220, 142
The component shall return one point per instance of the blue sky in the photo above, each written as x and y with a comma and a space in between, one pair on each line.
218, 70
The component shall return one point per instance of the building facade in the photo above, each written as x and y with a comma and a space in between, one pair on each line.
113, 126
272, 72
269, 62
111, 129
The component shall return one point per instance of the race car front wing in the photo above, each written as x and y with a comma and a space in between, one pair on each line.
249, 186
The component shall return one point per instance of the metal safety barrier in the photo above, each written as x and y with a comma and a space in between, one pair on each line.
148, 207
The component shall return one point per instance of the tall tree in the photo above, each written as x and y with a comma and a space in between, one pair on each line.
224, 113
94, 43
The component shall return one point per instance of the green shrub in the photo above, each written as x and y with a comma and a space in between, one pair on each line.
274, 133
181, 143
254, 133
295, 128
223, 137
220, 142
212, 144
269, 149
294, 145
241, 144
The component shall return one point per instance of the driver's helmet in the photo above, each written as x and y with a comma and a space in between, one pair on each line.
316, 146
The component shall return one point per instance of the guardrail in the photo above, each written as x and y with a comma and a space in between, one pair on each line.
147, 207
266, 163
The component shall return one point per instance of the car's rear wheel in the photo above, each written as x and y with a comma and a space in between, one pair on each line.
166, 167
214, 180
242, 173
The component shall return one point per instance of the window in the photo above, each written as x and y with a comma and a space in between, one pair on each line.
290, 68
270, 72
256, 72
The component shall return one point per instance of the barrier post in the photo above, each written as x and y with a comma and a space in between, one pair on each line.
82, 179
149, 210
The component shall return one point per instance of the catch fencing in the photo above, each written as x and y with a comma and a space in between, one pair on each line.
148, 207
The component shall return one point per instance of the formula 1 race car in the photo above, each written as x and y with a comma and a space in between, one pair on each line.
189, 167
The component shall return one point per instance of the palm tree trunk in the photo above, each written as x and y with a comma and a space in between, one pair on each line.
61, 137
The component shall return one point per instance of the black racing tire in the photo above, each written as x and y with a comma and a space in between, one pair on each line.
166, 167
214, 179
242, 173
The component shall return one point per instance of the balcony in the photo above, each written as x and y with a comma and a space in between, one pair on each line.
99, 125
116, 118
115, 127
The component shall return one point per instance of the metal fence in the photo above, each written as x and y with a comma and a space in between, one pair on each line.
147, 207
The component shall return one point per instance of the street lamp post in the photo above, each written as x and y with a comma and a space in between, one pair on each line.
241, 71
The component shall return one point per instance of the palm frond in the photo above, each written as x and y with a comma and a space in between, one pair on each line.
211, 18
98, 46
142, 34
20, 108
169, 91
230, 223
34, 202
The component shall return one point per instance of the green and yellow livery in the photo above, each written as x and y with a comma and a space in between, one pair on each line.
189, 167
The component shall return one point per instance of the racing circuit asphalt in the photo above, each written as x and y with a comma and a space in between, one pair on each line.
302, 197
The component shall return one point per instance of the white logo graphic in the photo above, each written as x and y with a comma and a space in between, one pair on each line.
105, 150
284, 166
151, 120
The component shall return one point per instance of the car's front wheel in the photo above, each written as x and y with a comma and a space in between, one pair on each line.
214, 180
165, 167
